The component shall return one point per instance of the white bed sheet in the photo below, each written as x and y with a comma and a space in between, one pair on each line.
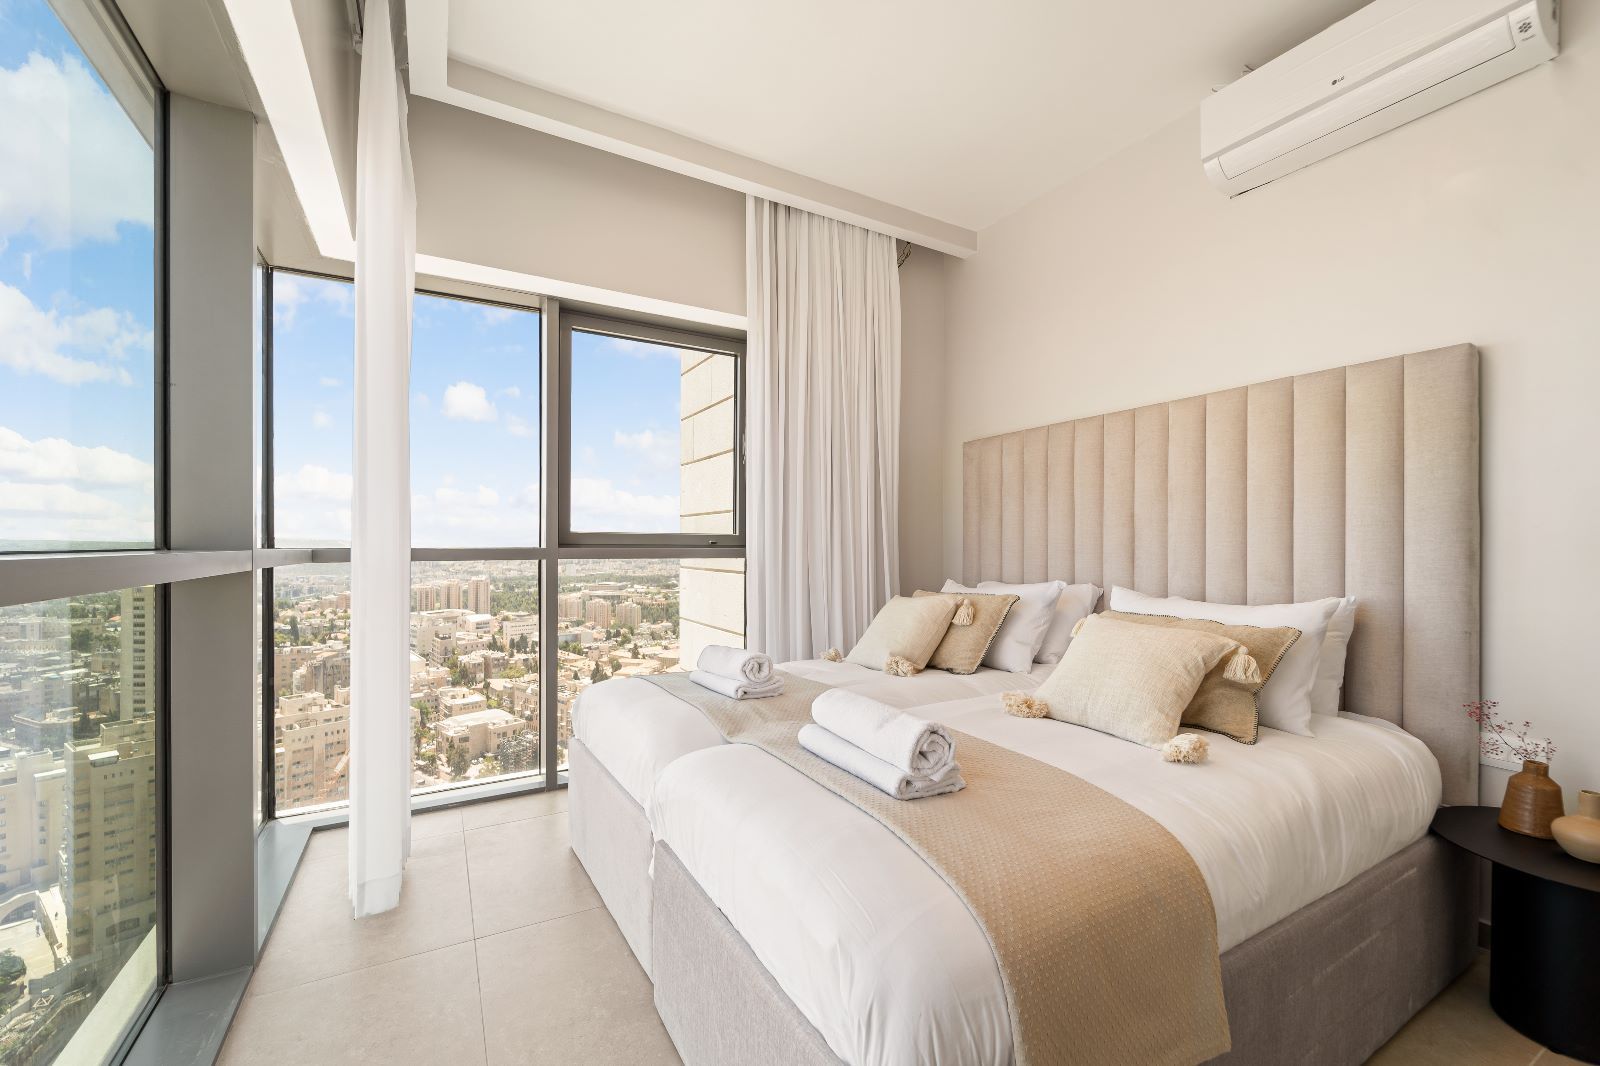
885, 960
635, 730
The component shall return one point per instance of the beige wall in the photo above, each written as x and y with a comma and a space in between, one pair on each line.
501, 195
1480, 223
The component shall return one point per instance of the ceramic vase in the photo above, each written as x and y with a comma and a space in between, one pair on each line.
1579, 834
1532, 801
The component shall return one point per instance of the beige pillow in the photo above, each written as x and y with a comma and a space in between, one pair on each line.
1221, 705
906, 628
967, 641
1132, 681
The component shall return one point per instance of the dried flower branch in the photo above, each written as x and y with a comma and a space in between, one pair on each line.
1503, 736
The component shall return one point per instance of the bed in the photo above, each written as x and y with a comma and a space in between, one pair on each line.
1357, 481
626, 731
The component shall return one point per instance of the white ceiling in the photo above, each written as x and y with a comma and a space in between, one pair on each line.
959, 111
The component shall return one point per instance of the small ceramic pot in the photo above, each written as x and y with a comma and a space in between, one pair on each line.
1579, 834
1532, 801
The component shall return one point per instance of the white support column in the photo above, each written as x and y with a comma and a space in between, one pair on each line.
380, 546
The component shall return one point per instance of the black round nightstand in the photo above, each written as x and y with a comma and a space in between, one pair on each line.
1544, 962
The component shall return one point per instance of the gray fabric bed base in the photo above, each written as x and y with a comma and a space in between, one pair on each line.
1325, 986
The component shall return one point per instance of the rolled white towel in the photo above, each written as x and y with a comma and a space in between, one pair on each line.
852, 760
737, 663
734, 688
910, 744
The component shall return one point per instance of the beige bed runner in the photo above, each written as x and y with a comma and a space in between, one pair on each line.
1101, 924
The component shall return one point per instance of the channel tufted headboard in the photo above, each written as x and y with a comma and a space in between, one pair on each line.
1360, 481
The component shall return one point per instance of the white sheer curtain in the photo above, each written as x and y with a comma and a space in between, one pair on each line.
380, 543
823, 451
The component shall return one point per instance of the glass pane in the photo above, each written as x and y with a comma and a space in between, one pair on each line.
313, 412
474, 425
652, 437
77, 290
78, 822
474, 672
629, 617
311, 685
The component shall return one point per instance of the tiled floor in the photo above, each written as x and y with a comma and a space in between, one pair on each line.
500, 953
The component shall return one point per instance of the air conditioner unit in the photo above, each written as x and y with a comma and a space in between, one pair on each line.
1390, 62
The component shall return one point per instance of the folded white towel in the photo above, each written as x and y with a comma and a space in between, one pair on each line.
734, 688
737, 663
910, 744
880, 775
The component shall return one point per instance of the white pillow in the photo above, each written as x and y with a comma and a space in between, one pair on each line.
1330, 669
1074, 604
1021, 634
1286, 698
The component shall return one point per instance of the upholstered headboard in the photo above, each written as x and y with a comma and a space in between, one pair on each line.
1357, 481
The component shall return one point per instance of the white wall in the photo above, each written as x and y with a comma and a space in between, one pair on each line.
1137, 283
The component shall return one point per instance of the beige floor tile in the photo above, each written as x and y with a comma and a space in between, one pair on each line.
525, 872
513, 808
335, 843
1457, 1029
419, 1009
597, 1007
315, 936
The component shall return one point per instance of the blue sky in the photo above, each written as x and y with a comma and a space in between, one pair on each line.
76, 296
475, 377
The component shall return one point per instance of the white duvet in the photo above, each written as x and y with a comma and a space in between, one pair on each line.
889, 965
635, 730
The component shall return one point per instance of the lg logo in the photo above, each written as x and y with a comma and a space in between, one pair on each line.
1337, 80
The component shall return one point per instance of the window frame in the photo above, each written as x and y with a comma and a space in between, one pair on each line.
31, 576
557, 542
625, 329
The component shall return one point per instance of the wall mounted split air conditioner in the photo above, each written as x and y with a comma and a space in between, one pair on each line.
1390, 62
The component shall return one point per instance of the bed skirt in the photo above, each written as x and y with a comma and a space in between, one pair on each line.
1327, 985
611, 837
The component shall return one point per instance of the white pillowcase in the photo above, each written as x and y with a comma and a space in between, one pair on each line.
1330, 669
1022, 633
1285, 700
1075, 604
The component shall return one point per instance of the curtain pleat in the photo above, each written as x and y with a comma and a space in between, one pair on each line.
823, 429
380, 542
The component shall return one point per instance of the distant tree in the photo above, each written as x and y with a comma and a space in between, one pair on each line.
491, 766
12, 968
294, 629
518, 752
458, 761
634, 651
598, 673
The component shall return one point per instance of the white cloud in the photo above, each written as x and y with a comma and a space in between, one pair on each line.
54, 490
597, 504
314, 482
320, 419
641, 349
329, 383
52, 459
655, 449
290, 292
510, 391
85, 167
451, 516
518, 427
420, 399
493, 316
34, 340
468, 403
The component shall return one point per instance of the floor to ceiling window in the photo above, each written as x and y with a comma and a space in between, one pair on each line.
81, 673
634, 528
